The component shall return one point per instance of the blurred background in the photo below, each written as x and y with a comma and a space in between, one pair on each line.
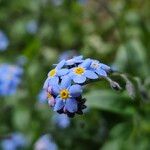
34, 34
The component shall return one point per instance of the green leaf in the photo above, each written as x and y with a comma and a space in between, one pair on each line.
109, 101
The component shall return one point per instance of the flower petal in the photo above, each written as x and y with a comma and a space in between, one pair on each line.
79, 79
59, 104
101, 72
90, 74
86, 63
105, 67
46, 84
66, 82
61, 64
71, 105
75, 90
62, 72
54, 81
55, 90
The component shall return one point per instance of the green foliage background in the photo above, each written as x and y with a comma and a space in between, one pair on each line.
113, 31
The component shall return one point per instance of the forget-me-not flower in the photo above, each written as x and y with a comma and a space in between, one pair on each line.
64, 83
66, 95
80, 73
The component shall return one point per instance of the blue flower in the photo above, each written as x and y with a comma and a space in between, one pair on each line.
61, 121
15, 141
53, 75
4, 42
32, 27
10, 78
80, 73
99, 68
74, 60
45, 143
66, 95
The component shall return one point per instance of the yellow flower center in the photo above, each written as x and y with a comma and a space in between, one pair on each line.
79, 70
52, 73
64, 94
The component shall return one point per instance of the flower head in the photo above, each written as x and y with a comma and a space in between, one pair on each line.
65, 83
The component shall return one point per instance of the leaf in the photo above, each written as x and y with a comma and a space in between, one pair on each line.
109, 101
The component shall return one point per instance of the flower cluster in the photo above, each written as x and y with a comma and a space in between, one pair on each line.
9, 78
64, 85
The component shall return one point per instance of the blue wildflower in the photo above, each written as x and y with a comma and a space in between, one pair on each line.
32, 27
66, 95
53, 75
99, 68
4, 42
9, 79
80, 73
15, 141
64, 86
45, 143
61, 121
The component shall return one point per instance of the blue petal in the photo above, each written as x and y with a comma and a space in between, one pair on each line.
59, 104
61, 64
86, 63
75, 90
54, 81
62, 72
105, 67
55, 90
71, 105
46, 83
90, 74
101, 72
66, 82
79, 79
